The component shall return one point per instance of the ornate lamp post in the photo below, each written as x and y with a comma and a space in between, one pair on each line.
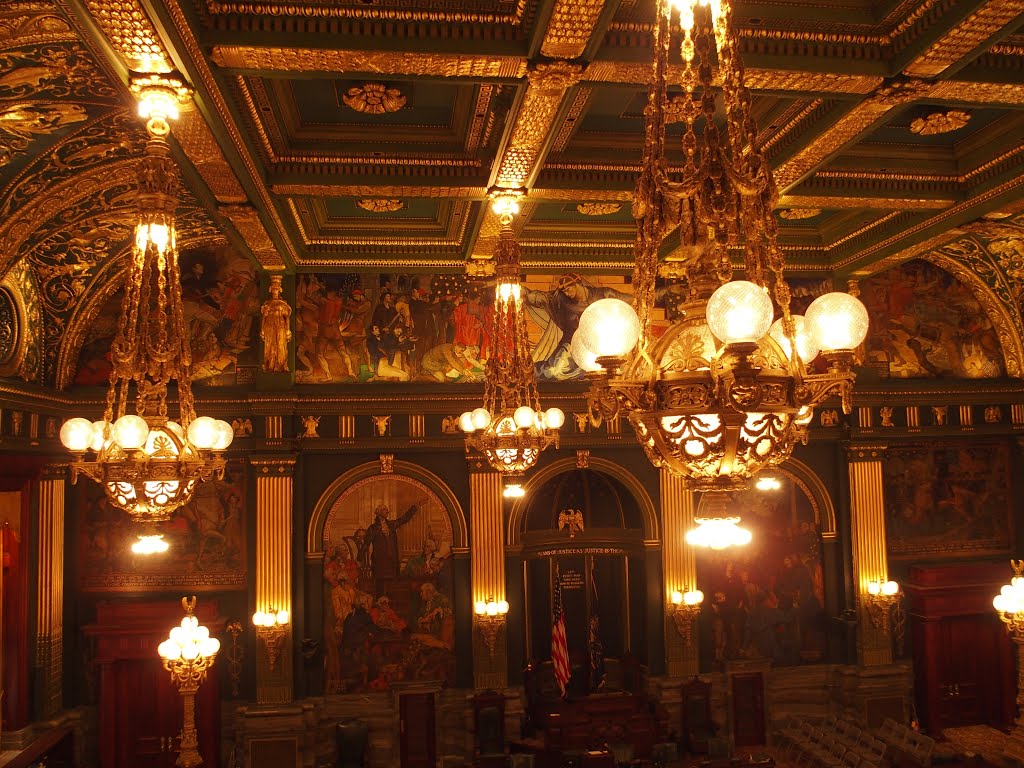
685, 607
1009, 603
188, 654
881, 597
271, 629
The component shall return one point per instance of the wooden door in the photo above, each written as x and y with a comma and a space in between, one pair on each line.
150, 726
748, 709
416, 719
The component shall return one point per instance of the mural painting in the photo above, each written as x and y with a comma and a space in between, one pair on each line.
925, 323
206, 537
947, 499
387, 587
766, 600
220, 298
431, 328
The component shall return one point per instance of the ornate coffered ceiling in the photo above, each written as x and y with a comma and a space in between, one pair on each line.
366, 133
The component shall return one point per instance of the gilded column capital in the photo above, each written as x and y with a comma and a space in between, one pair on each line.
273, 466
865, 452
554, 75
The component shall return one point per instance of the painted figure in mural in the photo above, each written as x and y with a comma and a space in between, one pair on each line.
380, 545
274, 330
384, 616
451, 362
564, 304
352, 327
435, 626
308, 298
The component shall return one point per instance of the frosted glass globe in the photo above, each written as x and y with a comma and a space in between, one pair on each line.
283, 617
466, 422
503, 606
554, 418
189, 651
225, 435
582, 355
609, 327
210, 646
76, 434
837, 321
481, 418
130, 432
805, 345
202, 432
99, 434
739, 311
524, 416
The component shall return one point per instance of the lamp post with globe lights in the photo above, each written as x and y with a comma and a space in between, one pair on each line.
1009, 604
188, 654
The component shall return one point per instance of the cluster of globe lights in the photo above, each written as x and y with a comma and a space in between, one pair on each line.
490, 607
737, 333
270, 619
141, 460
1010, 601
189, 642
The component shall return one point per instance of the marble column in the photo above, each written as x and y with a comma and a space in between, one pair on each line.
487, 568
273, 583
49, 650
870, 563
679, 564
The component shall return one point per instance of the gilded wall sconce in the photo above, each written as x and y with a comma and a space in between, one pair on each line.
684, 608
271, 628
490, 618
880, 599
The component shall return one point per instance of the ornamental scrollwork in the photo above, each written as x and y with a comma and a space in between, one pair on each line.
373, 99
940, 122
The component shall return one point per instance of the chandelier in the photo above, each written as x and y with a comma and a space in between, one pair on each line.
147, 463
724, 392
510, 429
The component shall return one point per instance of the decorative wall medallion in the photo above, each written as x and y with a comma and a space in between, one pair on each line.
380, 204
373, 98
940, 122
598, 209
10, 328
794, 214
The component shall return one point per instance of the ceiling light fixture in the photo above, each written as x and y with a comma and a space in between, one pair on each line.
510, 429
724, 392
147, 463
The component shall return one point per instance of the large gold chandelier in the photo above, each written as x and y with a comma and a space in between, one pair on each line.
148, 464
724, 392
510, 429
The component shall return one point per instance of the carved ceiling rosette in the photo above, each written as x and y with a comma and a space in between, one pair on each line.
380, 204
598, 209
940, 122
373, 99
795, 214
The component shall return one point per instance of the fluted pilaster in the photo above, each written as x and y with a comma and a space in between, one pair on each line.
487, 566
49, 651
679, 563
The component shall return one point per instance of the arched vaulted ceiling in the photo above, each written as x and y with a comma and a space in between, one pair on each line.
364, 134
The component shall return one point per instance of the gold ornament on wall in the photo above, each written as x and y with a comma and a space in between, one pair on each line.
598, 209
940, 122
373, 98
380, 204
794, 214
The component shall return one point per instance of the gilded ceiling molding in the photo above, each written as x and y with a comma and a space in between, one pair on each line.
797, 214
361, 190
373, 99
247, 221
376, 62
1003, 49
565, 130
846, 201
453, 237
128, 29
859, 119
978, 93
27, 221
14, 328
968, 266
940, 122
960, 41
329, 11
573, 195
794, 117
384, 263
570, 27
534, 122
28, 23
202, 150
217, 104
483, 119
861, 230
486, 237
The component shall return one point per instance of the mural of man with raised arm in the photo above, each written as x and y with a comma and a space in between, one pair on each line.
381, 541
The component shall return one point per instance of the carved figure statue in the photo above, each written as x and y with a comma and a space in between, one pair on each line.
310, 425
274, 330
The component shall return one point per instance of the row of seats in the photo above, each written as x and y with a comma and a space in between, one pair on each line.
833, 743
912, 744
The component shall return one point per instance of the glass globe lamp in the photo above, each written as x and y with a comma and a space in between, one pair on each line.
837, 321
739, 312
608, 328
805, 345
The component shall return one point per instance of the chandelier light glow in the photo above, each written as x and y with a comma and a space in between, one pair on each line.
147, 463
718, 533
727, 390
510, 429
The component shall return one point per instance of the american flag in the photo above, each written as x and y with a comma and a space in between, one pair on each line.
559, 648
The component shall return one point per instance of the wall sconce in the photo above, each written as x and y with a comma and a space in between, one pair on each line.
490, 617
685, 607
271, 627
881, 597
